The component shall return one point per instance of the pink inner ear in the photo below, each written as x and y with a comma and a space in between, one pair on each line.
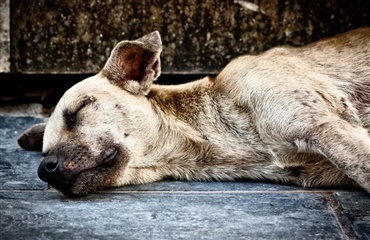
133, 66
136, 63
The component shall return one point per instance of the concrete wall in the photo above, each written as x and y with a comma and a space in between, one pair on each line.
199, 36
4, 36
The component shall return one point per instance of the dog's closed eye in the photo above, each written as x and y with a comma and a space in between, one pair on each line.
70, 116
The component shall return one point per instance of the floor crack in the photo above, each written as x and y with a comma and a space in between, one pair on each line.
343, 221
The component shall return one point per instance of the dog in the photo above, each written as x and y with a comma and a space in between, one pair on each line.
292, 115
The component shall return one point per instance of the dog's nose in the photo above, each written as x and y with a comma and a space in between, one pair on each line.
49, 169
51, 164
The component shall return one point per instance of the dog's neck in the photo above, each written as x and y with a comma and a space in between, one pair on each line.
175, 145
182, 150
183, 102
181, 110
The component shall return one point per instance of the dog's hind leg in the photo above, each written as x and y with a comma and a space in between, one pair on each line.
345, 145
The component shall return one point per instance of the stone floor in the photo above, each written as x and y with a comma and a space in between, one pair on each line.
29, 209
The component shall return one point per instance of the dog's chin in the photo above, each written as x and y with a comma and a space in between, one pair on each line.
66, 188
86, 183
80, 186
61, 184
67, 191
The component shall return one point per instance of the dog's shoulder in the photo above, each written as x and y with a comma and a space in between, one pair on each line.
256, 71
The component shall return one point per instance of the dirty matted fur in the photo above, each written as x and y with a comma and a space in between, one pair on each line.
291, 115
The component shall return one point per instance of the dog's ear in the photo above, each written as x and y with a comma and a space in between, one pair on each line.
31, 139
134, 65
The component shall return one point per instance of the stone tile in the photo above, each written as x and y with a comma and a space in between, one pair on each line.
18, 170
4, 36
356, 207
243, 186
48, 215
198, 37
12, 127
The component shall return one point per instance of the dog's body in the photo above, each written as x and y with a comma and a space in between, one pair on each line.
291, 115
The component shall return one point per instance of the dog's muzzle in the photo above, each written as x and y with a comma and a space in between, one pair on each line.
49, 171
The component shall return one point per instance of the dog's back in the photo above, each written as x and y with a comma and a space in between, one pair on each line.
336, 70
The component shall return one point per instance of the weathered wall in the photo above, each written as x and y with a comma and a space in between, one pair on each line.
4, 36
199, 36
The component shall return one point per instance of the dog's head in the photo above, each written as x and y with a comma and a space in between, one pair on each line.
100, 123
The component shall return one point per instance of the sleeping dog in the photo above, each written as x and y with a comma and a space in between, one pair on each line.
290, 115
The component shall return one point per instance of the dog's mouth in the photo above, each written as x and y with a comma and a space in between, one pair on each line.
50, 171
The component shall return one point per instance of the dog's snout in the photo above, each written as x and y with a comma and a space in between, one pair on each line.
66, 166
49, 169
